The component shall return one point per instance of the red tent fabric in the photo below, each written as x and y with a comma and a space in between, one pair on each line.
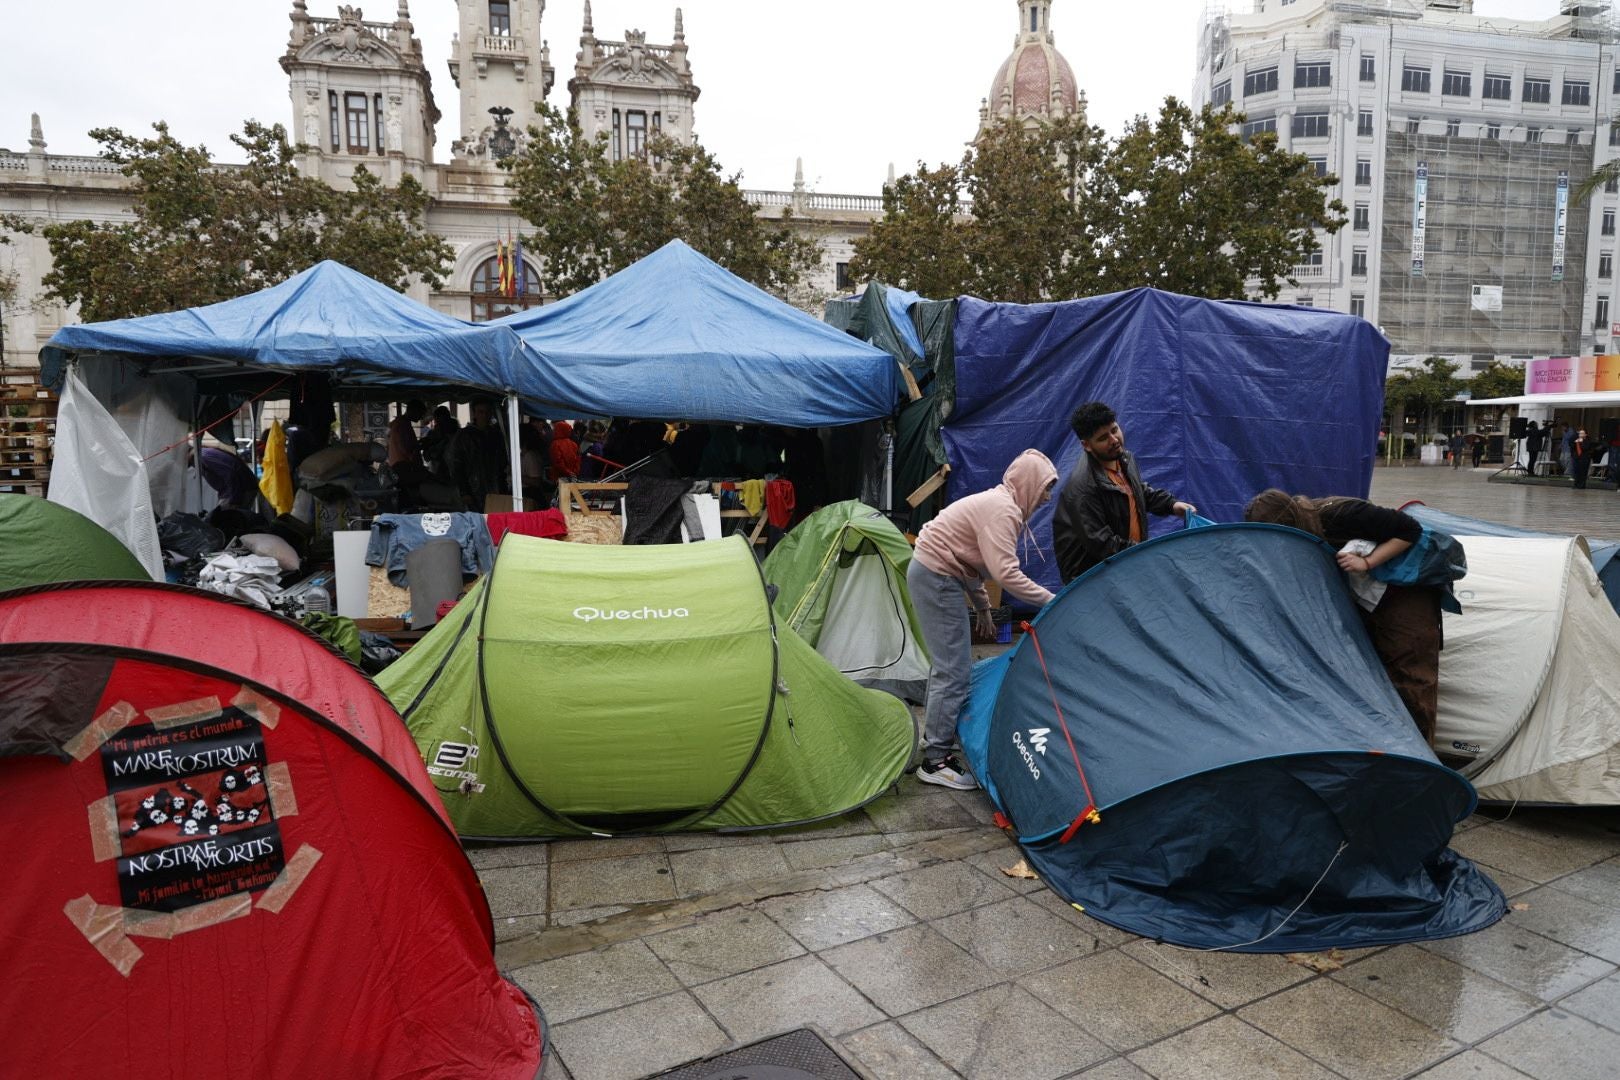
225, 857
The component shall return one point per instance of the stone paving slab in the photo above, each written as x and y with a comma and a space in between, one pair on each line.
923, 960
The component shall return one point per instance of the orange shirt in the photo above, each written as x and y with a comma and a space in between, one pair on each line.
1116, 473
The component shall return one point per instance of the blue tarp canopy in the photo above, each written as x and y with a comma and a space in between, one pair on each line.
327, 319
678, 337
1243, 746
1603, 551
1218, 400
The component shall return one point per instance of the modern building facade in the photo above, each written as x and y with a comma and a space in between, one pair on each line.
1457, 142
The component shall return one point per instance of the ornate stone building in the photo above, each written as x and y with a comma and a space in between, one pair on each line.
361, 94
630, 90
1035, 83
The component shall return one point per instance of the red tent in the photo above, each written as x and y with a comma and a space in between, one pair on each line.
224, 857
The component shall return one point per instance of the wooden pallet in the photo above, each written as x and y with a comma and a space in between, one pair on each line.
7, 488
24, 457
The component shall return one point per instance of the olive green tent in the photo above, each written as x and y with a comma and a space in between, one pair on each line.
582, 689
41, 543
841, 584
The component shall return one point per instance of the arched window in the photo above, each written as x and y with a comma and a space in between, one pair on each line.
489, 302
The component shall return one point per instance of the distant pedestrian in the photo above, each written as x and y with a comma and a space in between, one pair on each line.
1533, 438
1478, 449
1581, 452
1458, 443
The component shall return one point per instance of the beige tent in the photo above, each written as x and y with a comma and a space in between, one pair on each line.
1530, 674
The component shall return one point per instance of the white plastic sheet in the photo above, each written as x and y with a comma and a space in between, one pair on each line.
98, 472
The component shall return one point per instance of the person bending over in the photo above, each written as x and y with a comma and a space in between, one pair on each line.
1405, 624
971, 540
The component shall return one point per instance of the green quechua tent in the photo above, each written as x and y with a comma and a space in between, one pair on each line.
582, 689
42, 543
841, 584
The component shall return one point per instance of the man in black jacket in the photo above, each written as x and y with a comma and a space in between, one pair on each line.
1104, 505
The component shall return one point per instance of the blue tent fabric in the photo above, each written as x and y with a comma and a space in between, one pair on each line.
897, 302
1218, 399
1235, 728
1603, 551
678, 337
328, 319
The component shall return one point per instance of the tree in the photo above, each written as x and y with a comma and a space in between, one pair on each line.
919, 244
1180, 203
1424, 390
203, 232
1196, 209
1498, 380
594, 217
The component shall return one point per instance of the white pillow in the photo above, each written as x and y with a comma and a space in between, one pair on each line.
273, 547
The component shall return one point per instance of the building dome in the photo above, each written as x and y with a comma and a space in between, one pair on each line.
1035, 81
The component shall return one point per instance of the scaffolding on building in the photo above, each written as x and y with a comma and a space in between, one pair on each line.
1491, 211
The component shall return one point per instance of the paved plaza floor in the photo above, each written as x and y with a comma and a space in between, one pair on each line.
894, 931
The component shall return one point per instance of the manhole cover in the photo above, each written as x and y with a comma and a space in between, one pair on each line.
798, 1055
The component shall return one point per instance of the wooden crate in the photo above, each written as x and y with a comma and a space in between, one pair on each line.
9, 488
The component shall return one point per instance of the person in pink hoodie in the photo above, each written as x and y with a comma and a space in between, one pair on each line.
972, 540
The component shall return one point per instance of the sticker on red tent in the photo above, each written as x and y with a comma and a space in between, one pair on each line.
195, 821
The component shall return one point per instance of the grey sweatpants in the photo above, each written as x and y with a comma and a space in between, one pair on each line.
942, 612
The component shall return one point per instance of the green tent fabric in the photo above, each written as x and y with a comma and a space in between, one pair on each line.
41, 543
841, 585
582, 689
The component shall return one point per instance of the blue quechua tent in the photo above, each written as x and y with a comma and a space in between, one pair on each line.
1258, 784
1603, 552
1218, 399
678, 337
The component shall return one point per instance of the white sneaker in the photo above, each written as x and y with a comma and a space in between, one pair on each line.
947, 772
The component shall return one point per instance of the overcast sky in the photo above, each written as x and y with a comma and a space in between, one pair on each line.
849, 85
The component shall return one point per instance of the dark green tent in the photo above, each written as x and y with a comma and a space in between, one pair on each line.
875, 316
41, 542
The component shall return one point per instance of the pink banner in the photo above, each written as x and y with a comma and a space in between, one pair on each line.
1562, 375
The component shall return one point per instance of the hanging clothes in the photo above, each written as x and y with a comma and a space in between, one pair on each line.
780, 501
276, 485
752, 493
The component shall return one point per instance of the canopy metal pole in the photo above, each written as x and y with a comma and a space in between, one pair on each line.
514, 449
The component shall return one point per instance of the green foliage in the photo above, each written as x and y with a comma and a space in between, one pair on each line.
595, 216
919, 244
1056, 211
1424, 390
1497, 381
203, 233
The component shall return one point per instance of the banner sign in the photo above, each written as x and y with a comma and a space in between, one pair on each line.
194, 816
1420, 216
1560, 225
1561, 375
1607, 376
